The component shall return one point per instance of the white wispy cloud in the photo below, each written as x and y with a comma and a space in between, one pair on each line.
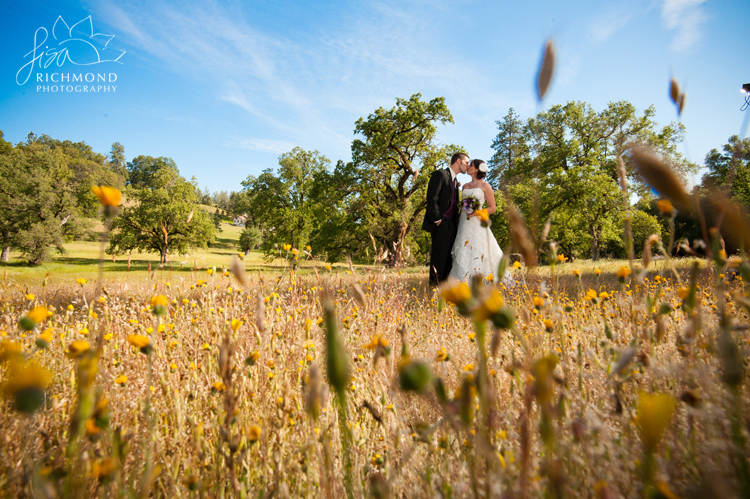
685, 17
259, 144
166, 114
308, 87
603, 26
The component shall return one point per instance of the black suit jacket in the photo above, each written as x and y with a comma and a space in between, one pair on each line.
439, 194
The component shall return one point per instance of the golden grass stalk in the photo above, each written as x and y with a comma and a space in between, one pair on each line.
660, 176
519, 235
733, 219
546, 69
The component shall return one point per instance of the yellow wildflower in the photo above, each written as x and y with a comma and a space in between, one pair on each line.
91, 428
590, 295
489, 307
253, 433
516, 264
37, 314
665, 206
121, 379
442, 355
9, 350
218, 387
455, 291
252, 358
139, 341
159, 300
77, 348
375, 342
482, 215
102, 468
108, 196
25, 384
45, 337
653, 413
623, 272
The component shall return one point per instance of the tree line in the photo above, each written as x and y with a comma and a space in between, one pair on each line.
558, 167
46, 200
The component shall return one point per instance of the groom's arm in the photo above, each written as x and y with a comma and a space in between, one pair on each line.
433, 194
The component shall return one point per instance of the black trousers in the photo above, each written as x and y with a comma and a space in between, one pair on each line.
440, 254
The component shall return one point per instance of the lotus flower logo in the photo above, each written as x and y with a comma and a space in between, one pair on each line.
77, 44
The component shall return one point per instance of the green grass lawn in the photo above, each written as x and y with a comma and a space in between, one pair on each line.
81, 259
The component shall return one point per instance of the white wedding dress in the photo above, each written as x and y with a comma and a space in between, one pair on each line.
475, 250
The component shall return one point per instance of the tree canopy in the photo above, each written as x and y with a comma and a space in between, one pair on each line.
393, 156
142, 170
730, 169
562, 166
45, 193
166, 217
283, 202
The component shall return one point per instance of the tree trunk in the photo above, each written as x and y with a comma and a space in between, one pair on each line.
163, 259
594, 244
6, 254
397, 257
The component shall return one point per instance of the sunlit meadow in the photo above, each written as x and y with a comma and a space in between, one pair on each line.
578, 379
595, 385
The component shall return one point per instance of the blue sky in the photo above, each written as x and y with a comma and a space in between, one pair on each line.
224, 88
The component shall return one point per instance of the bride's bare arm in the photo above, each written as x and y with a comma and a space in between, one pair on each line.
490, 197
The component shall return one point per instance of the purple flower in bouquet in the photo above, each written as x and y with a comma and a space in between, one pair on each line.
469, 204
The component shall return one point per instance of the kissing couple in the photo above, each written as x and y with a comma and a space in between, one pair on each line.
461, 247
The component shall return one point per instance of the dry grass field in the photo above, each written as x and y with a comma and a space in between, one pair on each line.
362, 381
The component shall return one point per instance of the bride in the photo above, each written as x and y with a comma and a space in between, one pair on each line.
475, 250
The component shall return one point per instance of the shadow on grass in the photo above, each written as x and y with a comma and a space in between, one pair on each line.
226, 243
145, 265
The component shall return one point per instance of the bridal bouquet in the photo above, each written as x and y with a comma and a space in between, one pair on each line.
469, 204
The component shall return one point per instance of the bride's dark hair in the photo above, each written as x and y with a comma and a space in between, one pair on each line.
476, 163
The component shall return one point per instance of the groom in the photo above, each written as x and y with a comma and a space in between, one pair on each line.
441, 217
